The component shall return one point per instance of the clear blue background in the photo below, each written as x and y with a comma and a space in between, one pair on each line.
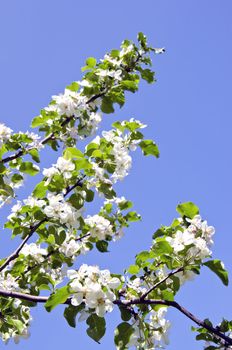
43, 45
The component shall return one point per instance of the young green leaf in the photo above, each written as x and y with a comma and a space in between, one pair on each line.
59, 297
218, 268
149, 148
29, 168
188, 209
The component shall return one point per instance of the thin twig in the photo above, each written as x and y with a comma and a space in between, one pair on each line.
16, 252
49, 137
80, 238
65, 122
144, 295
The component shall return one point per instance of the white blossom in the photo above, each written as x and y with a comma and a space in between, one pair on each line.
65, 166
99, 226
34, 202
57, 208
94, 287
34, 250
71, 247
5, 134
180, 240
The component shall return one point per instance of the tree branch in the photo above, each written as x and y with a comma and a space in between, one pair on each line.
126, 303
180, 308
27, 297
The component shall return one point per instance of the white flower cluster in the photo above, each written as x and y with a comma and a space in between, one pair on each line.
74, 104
157, 329
58, 208
120, 152
99, 176
57, 275
99, 227
62, 167
198, 236
135, 287
55, 207
34, 251
94, 287
24, 319
122, 144
7, 179
8, 282
119, 60
5, 134
70, 103
30, 201
115, 74
34, 202
71, 247
36, 140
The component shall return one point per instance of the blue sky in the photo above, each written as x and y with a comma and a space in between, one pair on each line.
44, 44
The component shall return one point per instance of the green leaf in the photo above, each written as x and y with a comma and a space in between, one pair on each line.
76, 201
91, 148
40, 190
107, 190
115, 53
102, 246
144, 256
132, 216
2, 169
149, 148
91, 62
125, 313
125, 205
72, 152
218, 268
142, 39
89, 195
70, 314
35, 155
37, 121
16, 323
129, 85
82, 164
188, 209
158, 233
133, 269
59, 297
44, 287
147, 75
73, 86
97, 327
122, 335
107, 105
161, 246
29, 168
117, 96
6, 190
